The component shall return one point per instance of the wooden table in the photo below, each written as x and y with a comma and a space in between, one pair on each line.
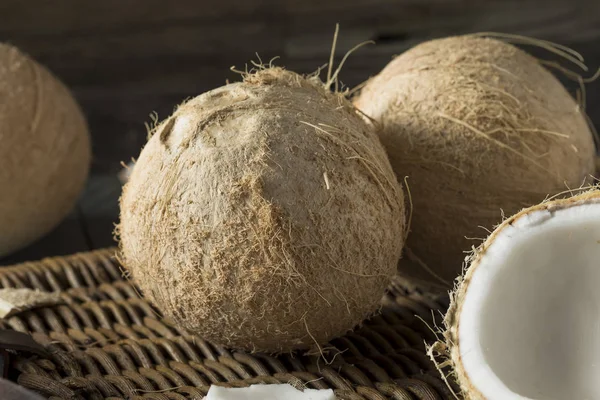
126, 58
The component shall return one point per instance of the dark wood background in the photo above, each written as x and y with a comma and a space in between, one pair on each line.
126, 58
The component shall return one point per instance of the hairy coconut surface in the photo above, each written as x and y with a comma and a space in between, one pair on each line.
264, 215
523, 323
44, 150
478, 126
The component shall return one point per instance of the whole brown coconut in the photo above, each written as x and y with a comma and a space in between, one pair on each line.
478, 126
264, 215
44, 150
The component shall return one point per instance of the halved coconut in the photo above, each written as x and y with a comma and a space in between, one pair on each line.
525, 321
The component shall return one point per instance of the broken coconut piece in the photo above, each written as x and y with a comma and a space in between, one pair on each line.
13, 301
268, 392
525, 321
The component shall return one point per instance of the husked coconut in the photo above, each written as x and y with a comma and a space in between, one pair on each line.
264, 215
478, 126
523, 323
44, 150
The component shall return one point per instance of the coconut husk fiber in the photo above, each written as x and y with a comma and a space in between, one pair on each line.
479, 127
264, 215
14, 301
44, 150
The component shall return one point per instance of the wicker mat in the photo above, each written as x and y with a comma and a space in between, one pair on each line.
106, 342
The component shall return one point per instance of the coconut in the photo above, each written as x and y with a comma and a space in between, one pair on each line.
523, 322
44, 150
263, 215
478, 126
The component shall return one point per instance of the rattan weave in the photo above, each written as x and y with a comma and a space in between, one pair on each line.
106, 342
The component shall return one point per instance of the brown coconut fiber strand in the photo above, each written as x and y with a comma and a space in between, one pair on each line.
446, 352
264, 215
479, 126
44, 150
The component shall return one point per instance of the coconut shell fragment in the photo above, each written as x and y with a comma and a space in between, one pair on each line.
523, 321
17, 300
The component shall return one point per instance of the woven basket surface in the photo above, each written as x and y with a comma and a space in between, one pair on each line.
106, 342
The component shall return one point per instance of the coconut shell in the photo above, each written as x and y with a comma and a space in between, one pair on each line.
263, 215
44, 150
479, 127
451, 347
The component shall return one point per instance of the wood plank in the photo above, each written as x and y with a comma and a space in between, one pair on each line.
67, 17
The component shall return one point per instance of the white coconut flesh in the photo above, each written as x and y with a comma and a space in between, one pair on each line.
529, 324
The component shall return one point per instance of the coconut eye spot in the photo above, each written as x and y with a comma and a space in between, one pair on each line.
176, 131
532, 309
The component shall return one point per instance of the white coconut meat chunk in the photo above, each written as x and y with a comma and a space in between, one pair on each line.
268, 392
527, 316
